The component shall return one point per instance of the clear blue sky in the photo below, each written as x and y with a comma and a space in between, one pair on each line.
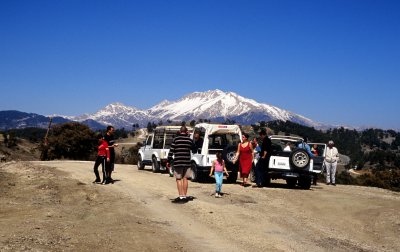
336, 62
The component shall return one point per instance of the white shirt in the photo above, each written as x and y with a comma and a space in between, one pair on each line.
332, 155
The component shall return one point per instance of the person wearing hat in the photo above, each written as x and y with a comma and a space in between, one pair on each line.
331, 159
198, 141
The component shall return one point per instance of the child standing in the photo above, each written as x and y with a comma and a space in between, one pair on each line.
218, 166
103, 156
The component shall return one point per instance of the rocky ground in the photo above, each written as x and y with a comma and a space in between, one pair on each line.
54, 206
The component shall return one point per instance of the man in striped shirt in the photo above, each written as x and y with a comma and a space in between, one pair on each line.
180, 153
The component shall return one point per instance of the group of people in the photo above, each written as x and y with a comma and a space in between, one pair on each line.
105, 156
180, 154
245, 154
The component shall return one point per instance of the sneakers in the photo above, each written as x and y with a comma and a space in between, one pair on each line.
333, 184
218, 195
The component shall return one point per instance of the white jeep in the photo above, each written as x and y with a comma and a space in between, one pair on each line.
293, 163
156, 147
215, 138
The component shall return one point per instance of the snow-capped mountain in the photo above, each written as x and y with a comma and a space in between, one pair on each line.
219, 105
214, 105
117, 114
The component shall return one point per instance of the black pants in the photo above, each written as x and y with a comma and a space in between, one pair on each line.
100, 160
262, 169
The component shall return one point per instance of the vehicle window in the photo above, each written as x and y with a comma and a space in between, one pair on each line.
279, 145
158, 141
149, 139
215, 141
220, 141
317, 149
169, 137
232, 139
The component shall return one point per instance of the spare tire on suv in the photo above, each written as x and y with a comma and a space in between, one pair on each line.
299, 159
228, 154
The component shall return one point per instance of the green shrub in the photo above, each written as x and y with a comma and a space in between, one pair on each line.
128, 156
71, 141
345, 178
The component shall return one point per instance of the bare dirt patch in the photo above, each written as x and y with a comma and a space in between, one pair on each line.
54, 206
44, 210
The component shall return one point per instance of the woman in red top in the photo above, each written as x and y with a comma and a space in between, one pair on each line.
103, 156
245, 155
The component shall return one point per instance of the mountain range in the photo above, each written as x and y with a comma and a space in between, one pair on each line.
214, 105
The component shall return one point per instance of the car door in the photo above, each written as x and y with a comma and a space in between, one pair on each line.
148, 147
319, 150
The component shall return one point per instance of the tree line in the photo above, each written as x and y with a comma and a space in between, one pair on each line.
375, 149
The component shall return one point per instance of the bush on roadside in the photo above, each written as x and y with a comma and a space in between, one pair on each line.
387, 179
71, 141
128, 156
345, 178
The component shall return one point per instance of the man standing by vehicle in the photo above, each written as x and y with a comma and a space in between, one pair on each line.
180, 153
265, 154
109, 137
331, 159
198, 141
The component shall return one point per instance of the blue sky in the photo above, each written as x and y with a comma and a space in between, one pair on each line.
336, 62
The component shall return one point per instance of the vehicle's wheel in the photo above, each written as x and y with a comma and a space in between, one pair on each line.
291, 182
155, 165
140, 164
299, 159
228, 154
195, 173
305, 182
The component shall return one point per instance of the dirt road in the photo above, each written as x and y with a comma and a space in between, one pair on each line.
54, 206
